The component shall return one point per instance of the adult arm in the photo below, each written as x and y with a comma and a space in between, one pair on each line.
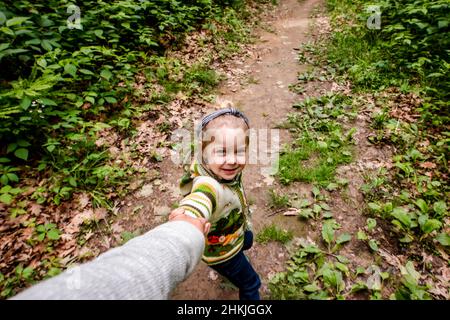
146, 267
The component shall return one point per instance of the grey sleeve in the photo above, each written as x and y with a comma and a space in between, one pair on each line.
146, 267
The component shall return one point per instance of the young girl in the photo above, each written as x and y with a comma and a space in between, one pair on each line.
213, 190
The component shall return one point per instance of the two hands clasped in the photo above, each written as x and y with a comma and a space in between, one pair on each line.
200, 223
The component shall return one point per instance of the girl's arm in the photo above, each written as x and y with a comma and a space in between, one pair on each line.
203, 199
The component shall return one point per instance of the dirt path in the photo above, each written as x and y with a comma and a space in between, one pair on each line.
266, 101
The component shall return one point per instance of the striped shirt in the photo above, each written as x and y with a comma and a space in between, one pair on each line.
224, 205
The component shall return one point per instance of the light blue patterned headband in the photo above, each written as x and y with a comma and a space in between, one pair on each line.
232, 111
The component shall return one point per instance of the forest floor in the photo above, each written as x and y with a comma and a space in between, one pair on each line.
263, 83
266, 101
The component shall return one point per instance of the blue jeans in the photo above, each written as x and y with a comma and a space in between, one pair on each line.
241, 273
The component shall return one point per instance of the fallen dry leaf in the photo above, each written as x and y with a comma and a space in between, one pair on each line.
428, 165
35, 209
291, 212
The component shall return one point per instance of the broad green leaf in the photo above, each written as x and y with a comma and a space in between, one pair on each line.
301, 275
23, 143
384, 275
6, 189
342, 267
342, 259
111, 99
53, 234
86, 71
315, 191
4, 179
361, 235
371, 224
46, 45
305, 213
302, 203
360, 270
34, 41
15, 21
332, 186
317, 209
334, 279
343, 238
443, 24
322, 145
21, 153
15, 191
105, 73
72, 182
12, 177
406, 239
42, 62
48, 102
422, 219
373, 245
53, 271
25, 103
440, 208
422, 205
358, 287
27, 272
321, 295
311, 249
431, 225
98, 33
6, 198
327, 215
328, 231
41, 236
311, 287
7, 31
70, 69
90, 99
401, 215
11, 147
444, 239
4, 46
410, 275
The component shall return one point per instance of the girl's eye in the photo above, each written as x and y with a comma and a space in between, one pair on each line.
221, 152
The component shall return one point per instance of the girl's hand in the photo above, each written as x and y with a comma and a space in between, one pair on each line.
200, 223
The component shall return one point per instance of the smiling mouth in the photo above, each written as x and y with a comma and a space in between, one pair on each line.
230, 170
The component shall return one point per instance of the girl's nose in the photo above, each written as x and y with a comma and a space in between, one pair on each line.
231, 158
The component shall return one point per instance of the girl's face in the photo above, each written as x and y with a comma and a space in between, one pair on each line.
226, 154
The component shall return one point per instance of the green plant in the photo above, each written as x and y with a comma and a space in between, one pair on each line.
8, 193
47, 230
64, 90
311, 276
20, 276
127, 236
7, 174
277, 200
411, 288
321, 144
273, 233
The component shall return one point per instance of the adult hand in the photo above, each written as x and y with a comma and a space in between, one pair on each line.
200, 223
